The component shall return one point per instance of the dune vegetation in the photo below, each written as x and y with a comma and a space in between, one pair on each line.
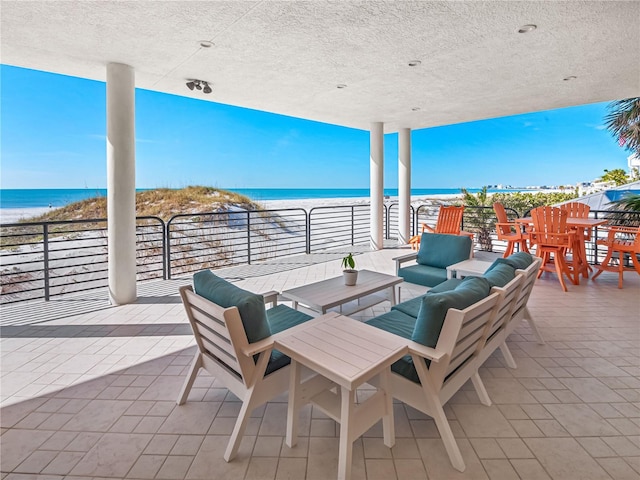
160, 202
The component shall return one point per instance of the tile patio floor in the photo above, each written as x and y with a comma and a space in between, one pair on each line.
88, 391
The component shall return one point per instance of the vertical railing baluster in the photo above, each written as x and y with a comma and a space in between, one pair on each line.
248, 238
45, 247
353, 225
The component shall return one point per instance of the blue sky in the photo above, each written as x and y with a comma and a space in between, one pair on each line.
53, 136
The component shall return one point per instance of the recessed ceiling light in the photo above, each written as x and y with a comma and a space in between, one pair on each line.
527, 28
205, 43
414, 63
415, 109
570, 77
341, 85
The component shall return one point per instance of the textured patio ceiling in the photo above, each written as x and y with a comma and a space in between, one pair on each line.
288, 57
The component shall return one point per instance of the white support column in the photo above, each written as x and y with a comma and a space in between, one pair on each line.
376, 167
404, 185
121, 183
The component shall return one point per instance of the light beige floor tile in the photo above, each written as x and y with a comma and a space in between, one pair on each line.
618, 468
147, 466
529, 469
291, 468
479, 421
487, 448
194, 417
262, 468
99, 461
500, 470
17, 445
580, 420
410, 469
210, 459
175, 466
514, 448
564, 458
379, 469
439, 467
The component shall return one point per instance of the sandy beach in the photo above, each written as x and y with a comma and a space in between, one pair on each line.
13, 215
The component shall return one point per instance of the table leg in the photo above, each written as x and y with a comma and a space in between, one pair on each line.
293, 406
294, 304
345, 453
392, 295
388, 427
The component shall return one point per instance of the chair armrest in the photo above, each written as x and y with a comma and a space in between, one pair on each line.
425, 352
404, 259
271, 297
257, 347
427, 228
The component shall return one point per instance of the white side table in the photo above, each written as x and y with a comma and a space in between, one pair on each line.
346, 353
467, 267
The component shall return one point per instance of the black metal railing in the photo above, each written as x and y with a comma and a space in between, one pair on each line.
39, 260
45, 259
235, 237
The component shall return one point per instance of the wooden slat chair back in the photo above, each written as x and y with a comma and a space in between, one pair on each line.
521, 310
511, 312
225, 352
578, 210
509, 232
552, 237
449, 220
455, 360
623, 241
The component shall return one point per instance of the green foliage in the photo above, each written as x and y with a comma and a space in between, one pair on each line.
522, 202
348, 262
479, 218
623, 121
617, 175
630, 204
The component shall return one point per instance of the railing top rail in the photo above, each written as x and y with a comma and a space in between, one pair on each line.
327, 207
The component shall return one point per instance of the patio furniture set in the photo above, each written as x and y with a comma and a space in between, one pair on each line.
555, 232
421, 352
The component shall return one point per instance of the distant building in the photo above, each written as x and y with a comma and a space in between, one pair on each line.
601, 200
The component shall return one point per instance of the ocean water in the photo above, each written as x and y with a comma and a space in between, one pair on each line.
38, 198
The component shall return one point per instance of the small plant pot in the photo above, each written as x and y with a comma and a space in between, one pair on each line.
350, 277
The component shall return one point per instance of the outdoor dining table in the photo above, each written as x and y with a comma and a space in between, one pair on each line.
580, 264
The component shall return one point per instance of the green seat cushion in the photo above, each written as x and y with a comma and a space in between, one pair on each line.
225, 294
400, 324
440, 250
409, 307
500, 275
450, 284
281, 318
423, 275
434, 307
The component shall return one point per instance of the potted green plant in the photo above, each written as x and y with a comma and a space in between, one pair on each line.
349, 271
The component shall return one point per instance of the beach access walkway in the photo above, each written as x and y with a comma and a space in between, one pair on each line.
89, 391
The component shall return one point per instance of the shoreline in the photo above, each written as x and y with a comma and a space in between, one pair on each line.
13, 215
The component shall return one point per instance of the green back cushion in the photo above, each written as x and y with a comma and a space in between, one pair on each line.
447, 285
225, 294
440, 250
500, 275
435, 306
519, 261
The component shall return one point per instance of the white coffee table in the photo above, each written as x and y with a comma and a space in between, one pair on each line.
371, 289
346, 353
467, 267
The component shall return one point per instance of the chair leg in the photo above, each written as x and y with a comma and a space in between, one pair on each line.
635, 261
509, 249
450, 444
605, 263
620, 269
508, 358
523, 245
191, 377
480, 390
532, 324
241, 423
559, 270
